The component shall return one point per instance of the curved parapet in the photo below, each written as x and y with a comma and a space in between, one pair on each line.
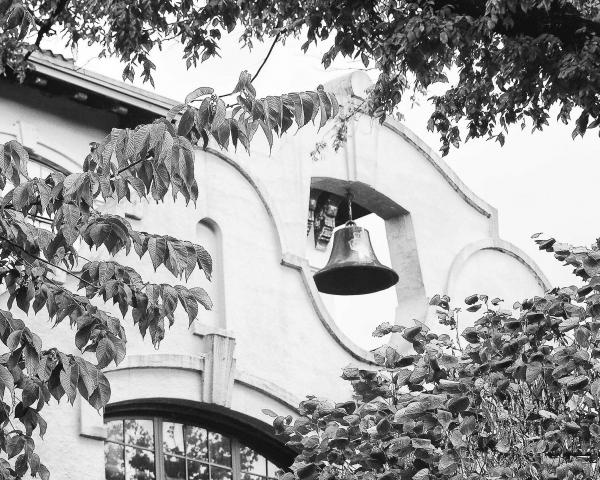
356, 86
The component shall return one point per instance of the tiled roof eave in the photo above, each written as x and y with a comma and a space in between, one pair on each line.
59, 68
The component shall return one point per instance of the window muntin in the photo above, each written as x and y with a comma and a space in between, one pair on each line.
157, 449
129, 450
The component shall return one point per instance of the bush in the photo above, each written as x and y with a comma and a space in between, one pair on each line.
520, 399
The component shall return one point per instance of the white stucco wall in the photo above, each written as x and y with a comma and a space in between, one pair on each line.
273, 323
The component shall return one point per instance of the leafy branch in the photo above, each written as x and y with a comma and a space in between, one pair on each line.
45, 28
149, 161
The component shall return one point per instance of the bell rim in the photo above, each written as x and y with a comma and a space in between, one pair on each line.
320, 277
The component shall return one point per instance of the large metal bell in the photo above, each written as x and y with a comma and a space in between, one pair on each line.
353, 268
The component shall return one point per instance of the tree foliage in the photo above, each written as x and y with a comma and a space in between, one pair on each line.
148, 161
521, 399
515, 59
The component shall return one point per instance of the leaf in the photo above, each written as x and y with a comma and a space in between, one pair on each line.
202, 297
534, 370
459, 404
447, 361
423, 443
186, 122
219, 116
422, 474
468, 425
43, 472
448, 464
22, 158
173, 111
472, 299
384, 427
14, 340
244, 81
7, 380
105, 352
270, 413
200, 91
14, 445
157, 249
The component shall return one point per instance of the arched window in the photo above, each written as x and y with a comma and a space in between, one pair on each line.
160, 449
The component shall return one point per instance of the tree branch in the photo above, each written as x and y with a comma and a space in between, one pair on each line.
275, 40
45, 28
68, 272
564, 21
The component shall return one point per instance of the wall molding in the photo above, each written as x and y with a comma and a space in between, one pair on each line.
262, 194
91, 422
269, 389
303, 267
499, 245
160, 360
25, 134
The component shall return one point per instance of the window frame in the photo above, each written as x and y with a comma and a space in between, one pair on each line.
160, 454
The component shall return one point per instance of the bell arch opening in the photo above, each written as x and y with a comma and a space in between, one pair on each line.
393, 241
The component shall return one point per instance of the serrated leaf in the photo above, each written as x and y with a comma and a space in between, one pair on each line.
173, 111
7, 380
157, 249
186, 122
200, 91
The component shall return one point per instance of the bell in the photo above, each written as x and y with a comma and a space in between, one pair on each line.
353, 268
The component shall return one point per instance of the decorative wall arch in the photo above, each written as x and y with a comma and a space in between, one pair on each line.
215, 246
501, 246
268, 205
27, 135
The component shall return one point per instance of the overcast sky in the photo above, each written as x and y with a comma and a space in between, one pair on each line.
539, 182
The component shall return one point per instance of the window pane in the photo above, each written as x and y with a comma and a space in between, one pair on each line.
174, 468
114, 464
250, 461
139, 464
197, 471
272, 470
114, 430
196, 443
218, 473
220, 449
173, 438
139, 433
249, 476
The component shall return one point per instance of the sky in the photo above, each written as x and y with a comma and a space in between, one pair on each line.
540, 182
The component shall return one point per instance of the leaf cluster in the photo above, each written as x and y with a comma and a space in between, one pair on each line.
521, 400
516, 59
45, 222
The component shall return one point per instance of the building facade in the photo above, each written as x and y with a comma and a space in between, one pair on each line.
193, 408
